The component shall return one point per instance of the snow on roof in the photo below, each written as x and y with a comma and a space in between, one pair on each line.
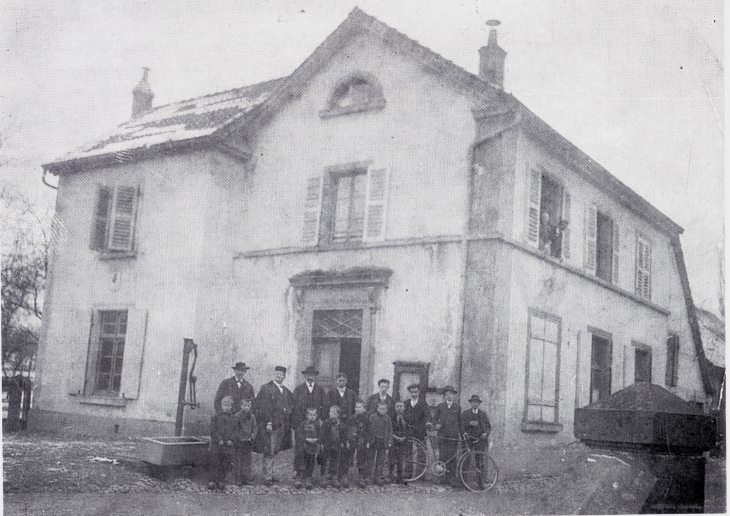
712, 329
178, 121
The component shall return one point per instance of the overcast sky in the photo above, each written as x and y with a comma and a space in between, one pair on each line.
636, 85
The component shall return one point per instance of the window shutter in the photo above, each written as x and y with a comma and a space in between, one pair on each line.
78, 324
101, 218
312, 204
375, 204
566, 218
122, 227
533, 206
590, 229
133, 354
646, 284
671, 376
616, 252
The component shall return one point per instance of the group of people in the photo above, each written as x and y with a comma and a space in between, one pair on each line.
335, 430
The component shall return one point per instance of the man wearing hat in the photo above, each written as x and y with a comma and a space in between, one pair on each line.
416, 414
274, 405
342, 396
447, 421
236, 387
308, 394
475, 429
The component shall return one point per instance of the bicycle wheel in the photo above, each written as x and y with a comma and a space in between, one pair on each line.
416, 459
478, 471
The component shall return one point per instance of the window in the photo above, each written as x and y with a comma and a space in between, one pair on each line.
600, 368
113, 225
548, 215
672, 374
543, 360
643, 267
642, 363
112, 334
347, 204
601, 245
408, 373
359, 91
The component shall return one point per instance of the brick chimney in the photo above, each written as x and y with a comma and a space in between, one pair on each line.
491, 59
142, 95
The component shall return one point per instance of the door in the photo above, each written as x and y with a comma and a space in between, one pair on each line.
336, 345
600, 368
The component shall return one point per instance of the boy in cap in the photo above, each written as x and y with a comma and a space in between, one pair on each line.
397, 451
447, 421
223, 436
380, 440
334, 439
274, 405
306, 447
247, 431
236, 387
475, 429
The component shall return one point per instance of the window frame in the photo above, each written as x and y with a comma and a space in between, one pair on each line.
97, 334
419, 368
542, 425
114, 219
591, 243
536, 175
671, 376
372, 102
640, 348
595, 332
643, 271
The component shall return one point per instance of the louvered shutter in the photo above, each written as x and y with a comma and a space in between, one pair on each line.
312, 209
133, 356
566, 218
590, 228
376, 203
77, 324
646, 283
534, 179
101, 218
122, 226
643, 268
616, 252
672, 372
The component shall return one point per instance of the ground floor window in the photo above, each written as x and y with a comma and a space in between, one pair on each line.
600, 367
112, 335
543, 363
642, 363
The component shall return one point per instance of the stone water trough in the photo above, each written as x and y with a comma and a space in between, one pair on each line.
659, 431
163, 453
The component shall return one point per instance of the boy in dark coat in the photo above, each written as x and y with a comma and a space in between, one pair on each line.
397, 451
475, 429
223, 435
447, 421
334, 439
380, 440
357, 435
247, 430
416, 414
306, 447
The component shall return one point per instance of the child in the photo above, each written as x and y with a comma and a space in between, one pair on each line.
380, 439
306, 448
333, 439
357, 427
397, 451
247, 431
223, 434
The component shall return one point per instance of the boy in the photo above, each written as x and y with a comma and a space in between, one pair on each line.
380, 397
306, 448
223, 434
397, 451
357, 429
447, 421
333, 440
475, 429
243, 446
381, 438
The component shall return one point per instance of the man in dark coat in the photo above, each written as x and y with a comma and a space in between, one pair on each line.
236, 387
475, 429
416, 414
381, 396
274, 405
309, 394
343, 397
447, 421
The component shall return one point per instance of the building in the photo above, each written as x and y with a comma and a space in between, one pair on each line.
380, 211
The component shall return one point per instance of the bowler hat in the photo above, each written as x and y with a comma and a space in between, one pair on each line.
476, 398
449, 388
414, 386
311, 370
280, 368
241, 366
342, 375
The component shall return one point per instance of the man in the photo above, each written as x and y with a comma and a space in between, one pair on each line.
274, 405
447, 421
416, 414
236, 387
381, 396
475, 429
343, 397
308, 395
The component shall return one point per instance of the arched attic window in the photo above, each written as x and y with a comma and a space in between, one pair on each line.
357, 92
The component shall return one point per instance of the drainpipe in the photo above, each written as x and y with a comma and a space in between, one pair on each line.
471, 163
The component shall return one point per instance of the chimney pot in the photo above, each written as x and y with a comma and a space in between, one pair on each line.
142, 95
491, 58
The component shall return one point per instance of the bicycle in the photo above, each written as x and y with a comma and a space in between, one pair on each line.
477, 470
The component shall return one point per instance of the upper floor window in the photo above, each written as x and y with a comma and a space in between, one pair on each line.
601, 245
114, 217
359, 91
548, 215
347, 204
643, 267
